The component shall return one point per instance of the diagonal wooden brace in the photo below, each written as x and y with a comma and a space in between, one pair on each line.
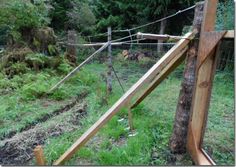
199, 156
209, 41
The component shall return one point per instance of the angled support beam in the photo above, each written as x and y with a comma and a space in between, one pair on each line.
75, 70
145, 79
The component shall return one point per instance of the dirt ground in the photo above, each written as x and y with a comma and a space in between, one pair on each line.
18, 149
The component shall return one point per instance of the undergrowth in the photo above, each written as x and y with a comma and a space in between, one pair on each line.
25, 99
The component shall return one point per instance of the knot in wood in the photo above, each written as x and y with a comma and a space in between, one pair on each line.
203, 84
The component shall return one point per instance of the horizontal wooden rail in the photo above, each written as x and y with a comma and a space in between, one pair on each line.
229, 34
145, 79
163, 37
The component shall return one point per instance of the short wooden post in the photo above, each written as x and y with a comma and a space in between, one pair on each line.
109, 72
130, 119
38, 152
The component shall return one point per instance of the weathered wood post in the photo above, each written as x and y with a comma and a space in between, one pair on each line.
71, 51
178, 139
39, 157
109, 72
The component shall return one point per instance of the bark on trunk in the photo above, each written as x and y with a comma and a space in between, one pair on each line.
178, 139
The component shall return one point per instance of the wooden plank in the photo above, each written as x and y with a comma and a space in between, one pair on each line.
199, 157
203, 86
175, 62
157, 68
229, 34
78, 67
38, 152
163, 37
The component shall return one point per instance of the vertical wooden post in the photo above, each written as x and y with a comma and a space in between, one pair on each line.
206, 62
109, 72
71, 53
130, 119
38, 152
178, 139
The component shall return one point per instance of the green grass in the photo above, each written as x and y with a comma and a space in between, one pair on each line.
219, 137
153, 118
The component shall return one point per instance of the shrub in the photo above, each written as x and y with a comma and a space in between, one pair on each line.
64, 67
35, 89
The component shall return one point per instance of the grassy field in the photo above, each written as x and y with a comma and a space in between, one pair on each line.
24, 104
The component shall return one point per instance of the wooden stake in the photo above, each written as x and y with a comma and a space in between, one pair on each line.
109, 63
130, 119
38, 152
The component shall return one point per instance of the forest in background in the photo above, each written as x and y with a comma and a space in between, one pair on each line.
91, 17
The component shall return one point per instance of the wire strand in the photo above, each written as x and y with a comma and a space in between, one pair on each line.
159, 20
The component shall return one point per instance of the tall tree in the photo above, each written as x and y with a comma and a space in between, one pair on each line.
129, 13
72, 14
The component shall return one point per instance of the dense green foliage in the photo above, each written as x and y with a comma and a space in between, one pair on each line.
94, 16
17, 17
225, 15
126, 14
73, 14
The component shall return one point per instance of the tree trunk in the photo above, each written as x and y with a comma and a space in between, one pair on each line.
162, 31
178, 139
71, 53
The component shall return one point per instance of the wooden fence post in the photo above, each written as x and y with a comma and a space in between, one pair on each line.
71, 53
109, 72
178, 139
38, 152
